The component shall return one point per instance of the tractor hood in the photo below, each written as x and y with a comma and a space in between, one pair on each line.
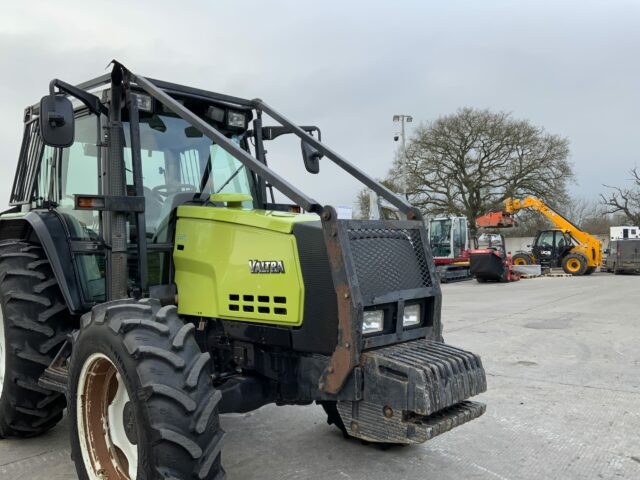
282, 222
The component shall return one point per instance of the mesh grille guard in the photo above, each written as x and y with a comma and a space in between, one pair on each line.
387, 260
375, 262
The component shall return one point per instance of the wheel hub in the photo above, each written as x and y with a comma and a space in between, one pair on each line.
106, 421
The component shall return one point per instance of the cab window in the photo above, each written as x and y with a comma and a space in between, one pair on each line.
79, 174
545, 239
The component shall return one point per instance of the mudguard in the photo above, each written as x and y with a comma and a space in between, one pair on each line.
50, 231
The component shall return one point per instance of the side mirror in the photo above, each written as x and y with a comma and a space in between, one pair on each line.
311, 157
56, 121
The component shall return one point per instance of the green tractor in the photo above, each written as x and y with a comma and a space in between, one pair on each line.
149, 282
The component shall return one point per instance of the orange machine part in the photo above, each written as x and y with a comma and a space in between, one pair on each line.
495, 220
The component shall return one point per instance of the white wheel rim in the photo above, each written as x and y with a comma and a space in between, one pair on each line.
102, 421
3, 352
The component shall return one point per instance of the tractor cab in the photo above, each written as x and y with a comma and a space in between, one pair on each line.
449, 237
551, 246
449, 241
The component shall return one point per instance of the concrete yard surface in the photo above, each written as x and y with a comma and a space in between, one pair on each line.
563, 366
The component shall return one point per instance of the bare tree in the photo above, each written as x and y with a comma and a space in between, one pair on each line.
625, 200
468, 163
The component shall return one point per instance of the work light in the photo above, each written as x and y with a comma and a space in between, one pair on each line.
372, 321
411, 315
236, 119
216, 114
144, 102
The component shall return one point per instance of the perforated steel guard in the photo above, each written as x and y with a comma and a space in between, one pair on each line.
388, 260
374, 263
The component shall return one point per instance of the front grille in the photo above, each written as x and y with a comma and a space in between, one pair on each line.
388, 260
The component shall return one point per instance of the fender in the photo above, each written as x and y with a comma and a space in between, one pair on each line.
47, 226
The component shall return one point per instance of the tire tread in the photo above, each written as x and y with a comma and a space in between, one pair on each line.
36, 320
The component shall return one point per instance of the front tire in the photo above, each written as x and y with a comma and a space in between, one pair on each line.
575, 264
141, 401
34, 322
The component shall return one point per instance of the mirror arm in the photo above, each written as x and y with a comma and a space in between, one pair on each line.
273, 132
91, 101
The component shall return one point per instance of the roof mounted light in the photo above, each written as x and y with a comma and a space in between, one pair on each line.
145, 104
215, 113
236, 119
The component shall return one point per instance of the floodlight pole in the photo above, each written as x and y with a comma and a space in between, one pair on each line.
402, 118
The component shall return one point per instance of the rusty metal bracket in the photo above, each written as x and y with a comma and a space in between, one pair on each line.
347, 353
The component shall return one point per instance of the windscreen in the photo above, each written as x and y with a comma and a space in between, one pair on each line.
487, 240
179, 163
440, 237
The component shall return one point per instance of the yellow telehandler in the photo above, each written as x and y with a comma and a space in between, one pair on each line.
567, 246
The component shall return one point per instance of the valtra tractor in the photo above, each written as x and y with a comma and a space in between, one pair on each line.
150, 282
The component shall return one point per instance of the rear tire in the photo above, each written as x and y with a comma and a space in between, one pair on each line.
34, 322
575, 264
590, 270
166, 419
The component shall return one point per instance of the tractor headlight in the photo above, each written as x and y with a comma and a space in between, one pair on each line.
372, 321
411, 315
236, 119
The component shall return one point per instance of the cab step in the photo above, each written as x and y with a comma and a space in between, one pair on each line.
56, 375
54, 379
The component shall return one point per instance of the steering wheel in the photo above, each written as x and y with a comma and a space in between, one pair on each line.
166, 190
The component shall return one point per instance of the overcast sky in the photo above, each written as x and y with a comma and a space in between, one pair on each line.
348, 66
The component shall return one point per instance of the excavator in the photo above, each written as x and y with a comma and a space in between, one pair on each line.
567, 246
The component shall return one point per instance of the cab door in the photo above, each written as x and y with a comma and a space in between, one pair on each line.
563, 244
544, 249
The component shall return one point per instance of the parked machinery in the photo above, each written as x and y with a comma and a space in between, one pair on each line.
568, 246
490, 261
449, 240
623, 256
